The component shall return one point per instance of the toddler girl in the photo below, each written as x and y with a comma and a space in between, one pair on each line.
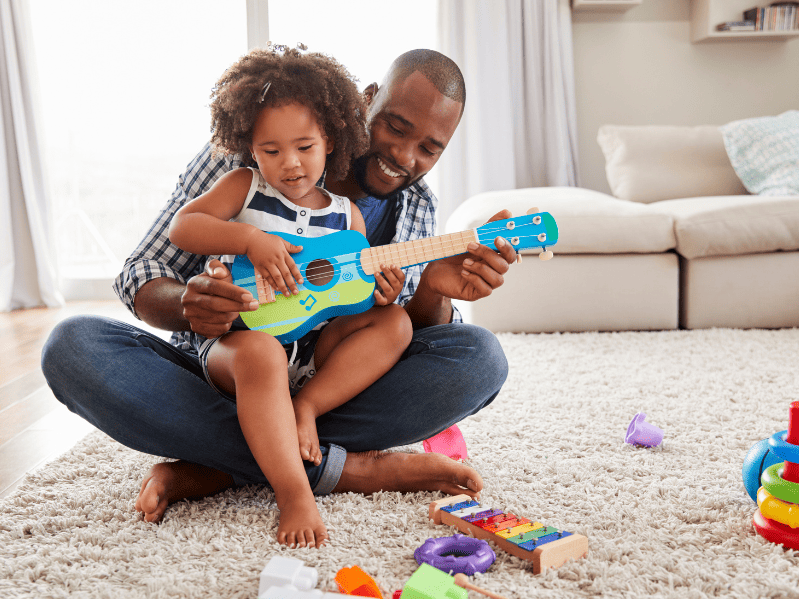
292, 116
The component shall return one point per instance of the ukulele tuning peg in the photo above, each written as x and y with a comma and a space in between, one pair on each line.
545, 255
532, 210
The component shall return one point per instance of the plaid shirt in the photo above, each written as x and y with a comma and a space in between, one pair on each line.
157, 257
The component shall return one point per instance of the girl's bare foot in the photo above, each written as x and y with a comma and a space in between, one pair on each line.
306, 432
373, 471
169, 482
300, 522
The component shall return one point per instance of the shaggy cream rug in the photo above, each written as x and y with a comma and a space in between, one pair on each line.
672, 521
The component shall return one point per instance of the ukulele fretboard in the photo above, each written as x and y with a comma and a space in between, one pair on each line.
266, 295
417, 251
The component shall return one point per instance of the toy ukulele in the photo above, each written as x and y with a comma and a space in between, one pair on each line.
338, 270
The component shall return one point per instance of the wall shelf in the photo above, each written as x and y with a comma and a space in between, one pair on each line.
706, 14
603, 5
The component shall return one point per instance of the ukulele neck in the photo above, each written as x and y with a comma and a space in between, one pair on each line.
418, 251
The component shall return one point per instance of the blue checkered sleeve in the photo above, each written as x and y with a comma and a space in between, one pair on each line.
416, 219
156, 256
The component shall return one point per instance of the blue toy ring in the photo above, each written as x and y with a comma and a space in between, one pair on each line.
457, 554
785, 450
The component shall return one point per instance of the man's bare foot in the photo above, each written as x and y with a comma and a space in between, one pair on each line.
308, 438
300, 522
169, 482
373, 471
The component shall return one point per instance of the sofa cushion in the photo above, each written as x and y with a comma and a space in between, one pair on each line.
732, 226
652, 163
764, 152
589, 222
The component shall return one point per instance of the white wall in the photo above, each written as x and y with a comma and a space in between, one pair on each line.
640, 68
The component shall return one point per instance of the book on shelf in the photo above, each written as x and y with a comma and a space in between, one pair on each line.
779, 16
736, 26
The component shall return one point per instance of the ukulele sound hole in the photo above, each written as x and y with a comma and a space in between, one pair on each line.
319, 273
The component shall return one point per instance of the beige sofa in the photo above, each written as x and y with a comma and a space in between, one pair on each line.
679, 244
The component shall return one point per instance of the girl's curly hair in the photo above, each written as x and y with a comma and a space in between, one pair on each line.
312, 79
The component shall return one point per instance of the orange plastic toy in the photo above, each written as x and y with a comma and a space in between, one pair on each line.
354, 581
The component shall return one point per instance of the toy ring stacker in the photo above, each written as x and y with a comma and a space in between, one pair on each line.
787, 451
779, 511
456, 554
773, 531
773, 482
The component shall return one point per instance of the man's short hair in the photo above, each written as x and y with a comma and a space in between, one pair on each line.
440, 70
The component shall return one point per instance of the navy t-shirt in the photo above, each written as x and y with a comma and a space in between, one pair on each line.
380, 218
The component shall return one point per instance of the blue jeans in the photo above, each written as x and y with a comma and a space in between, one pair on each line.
152, 397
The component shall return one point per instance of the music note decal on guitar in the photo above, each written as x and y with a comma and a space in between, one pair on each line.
339, 270
310, 299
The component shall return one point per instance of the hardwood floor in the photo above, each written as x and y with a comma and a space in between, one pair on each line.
34, 426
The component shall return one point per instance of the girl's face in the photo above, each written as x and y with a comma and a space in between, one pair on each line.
290, 149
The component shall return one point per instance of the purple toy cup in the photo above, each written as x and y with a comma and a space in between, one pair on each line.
643, 433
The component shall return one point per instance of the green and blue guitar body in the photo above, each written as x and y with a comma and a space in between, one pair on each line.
340, 288
338, 271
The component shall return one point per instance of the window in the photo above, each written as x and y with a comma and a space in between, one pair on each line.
123, 94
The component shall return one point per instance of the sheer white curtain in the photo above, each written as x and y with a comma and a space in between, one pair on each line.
519, 127
27, 265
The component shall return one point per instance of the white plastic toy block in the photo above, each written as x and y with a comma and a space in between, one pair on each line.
284, 571
289, 592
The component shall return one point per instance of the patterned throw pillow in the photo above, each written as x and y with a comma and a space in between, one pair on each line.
764, 152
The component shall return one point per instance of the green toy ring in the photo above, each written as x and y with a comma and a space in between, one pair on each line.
777, 486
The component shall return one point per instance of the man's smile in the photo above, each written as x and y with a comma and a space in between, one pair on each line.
384, 167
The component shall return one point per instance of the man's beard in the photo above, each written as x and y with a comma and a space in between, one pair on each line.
359, 168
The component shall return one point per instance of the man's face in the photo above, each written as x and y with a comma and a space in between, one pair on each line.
410, 124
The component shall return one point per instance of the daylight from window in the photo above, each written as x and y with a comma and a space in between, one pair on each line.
123, 90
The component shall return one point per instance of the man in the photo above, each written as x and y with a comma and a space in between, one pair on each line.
151, 396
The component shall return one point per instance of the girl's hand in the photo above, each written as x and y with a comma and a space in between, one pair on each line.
389, 284
271, 257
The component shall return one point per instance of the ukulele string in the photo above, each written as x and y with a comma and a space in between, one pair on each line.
484, 231
313, 276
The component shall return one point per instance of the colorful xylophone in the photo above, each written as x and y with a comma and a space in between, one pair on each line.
544, 546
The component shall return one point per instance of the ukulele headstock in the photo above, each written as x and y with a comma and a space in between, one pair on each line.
534, 229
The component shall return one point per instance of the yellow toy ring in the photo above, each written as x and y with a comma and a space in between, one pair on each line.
779, 511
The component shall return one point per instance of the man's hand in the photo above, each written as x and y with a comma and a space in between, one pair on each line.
475, 275
212, 302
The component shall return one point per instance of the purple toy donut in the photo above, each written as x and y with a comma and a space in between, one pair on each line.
456, 554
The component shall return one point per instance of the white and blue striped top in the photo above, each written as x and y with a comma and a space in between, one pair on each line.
269, 210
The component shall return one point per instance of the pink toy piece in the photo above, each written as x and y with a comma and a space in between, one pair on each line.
449, 442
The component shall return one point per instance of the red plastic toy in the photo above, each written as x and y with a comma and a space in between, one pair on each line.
781, 484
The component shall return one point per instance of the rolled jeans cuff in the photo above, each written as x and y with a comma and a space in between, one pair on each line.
334, 466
